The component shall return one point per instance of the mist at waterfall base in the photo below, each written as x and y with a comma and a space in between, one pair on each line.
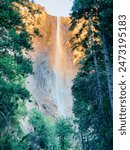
50, 86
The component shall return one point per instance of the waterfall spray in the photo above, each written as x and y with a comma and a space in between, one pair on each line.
59, 85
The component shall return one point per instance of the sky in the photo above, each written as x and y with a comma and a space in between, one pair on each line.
56, 7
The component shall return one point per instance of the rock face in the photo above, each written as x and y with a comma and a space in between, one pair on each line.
50, 85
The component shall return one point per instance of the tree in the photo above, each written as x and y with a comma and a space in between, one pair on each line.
64, 131
92, 98
14, 67
44, 131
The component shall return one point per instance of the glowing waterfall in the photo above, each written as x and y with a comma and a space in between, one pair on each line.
59, 85
50, 85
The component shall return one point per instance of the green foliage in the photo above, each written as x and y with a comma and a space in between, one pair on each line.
14, 68
9, 14
95, 124
45, 128
54, 135
90, 91
64, 130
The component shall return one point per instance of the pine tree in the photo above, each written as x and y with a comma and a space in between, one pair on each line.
14, 67
92, 87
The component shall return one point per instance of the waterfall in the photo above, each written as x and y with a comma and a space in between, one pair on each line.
50, 85
59, 83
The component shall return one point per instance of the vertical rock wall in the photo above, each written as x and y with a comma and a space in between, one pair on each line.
50, 86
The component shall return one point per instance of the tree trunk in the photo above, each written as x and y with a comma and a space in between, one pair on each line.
100, 97
108, 71
98, 79
62, 142
83, 142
